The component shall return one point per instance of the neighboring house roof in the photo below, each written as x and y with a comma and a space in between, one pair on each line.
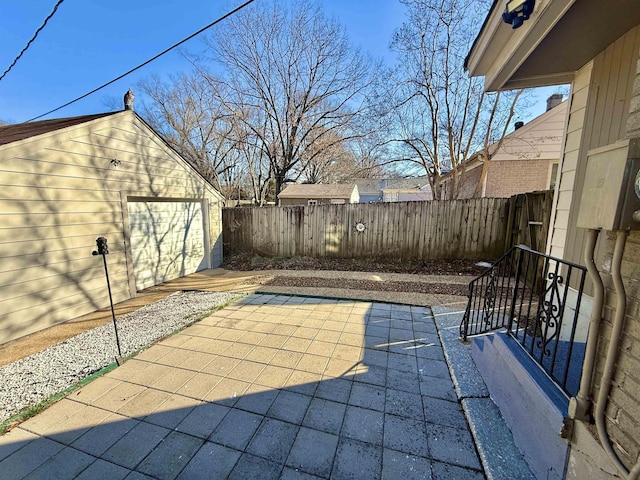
406, 183
20, 131
24, 131
373, 186
369, 186
541, 138
308, 190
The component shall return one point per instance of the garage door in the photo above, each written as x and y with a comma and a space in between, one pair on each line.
167, 240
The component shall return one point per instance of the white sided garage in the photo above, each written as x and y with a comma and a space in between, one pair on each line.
68, 181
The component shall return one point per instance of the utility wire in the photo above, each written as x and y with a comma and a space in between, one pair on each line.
225, 16
32, 39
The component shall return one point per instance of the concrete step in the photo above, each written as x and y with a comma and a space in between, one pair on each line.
500, 457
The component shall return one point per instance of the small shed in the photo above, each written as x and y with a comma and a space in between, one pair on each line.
318, 194
66, 182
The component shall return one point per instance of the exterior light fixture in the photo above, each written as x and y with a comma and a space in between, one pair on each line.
517, 11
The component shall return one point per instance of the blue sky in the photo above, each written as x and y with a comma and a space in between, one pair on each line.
87, 43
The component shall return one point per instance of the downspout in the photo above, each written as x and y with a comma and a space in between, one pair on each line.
580, 404
612, 353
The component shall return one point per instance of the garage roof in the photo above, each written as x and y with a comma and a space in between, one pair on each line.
20, 131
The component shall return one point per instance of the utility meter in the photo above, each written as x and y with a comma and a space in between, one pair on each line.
611, 194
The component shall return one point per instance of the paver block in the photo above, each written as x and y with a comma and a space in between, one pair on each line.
290, 407
405, 381
257, 399
68, 463
446, 471
325, 415
437, 388
336, 389
363, 424
135, 445
403, 466
443, 412
356, 459
76, 425
452, 445
56, 414
212, 461
173, 411
236, 429
101, 437
404, 404
27, 459
199, 385
203, 420
273, 440
313, 452
250, 466
372, 374
102, 469
14, 440
171, 456
292, 474
405, 435
367, 396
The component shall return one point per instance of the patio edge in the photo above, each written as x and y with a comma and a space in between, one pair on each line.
499, 455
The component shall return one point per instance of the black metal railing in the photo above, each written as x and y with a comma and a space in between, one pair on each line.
527, 293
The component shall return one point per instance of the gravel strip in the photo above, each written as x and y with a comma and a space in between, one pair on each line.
37, 377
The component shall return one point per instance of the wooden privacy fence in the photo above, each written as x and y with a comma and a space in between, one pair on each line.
475, 228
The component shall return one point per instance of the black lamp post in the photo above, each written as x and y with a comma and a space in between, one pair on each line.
103, 250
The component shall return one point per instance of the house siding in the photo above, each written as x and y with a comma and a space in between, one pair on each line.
569, 163
616, 80
605, 122
58, 193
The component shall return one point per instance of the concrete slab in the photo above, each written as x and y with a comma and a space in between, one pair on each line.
273, 386
497, 450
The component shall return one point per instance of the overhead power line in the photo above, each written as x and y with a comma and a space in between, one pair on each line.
155, 57
35, 35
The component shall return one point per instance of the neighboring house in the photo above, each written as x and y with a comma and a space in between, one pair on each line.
318, 194
374, 190
418, 194
595, 46
527, 160
66, 182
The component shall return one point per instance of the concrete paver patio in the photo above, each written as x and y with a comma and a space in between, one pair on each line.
273, 386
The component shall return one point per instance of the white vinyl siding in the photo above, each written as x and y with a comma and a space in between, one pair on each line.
58, 192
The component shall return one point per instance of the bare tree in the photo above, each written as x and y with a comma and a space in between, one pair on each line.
294, 70
441, 116
189, 115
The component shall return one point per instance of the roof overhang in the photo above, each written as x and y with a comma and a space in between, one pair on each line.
560, 37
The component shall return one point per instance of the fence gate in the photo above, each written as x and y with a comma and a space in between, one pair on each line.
528, 220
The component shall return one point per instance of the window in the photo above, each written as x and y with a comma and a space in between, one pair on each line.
312, 202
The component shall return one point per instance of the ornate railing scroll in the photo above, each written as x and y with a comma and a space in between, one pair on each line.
527, 293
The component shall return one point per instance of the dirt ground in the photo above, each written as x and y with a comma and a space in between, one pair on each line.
249, 262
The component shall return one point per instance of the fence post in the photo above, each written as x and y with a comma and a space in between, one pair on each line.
514, 291
511, 206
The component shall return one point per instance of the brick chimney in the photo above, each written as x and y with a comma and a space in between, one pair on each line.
128, 100
554, 100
